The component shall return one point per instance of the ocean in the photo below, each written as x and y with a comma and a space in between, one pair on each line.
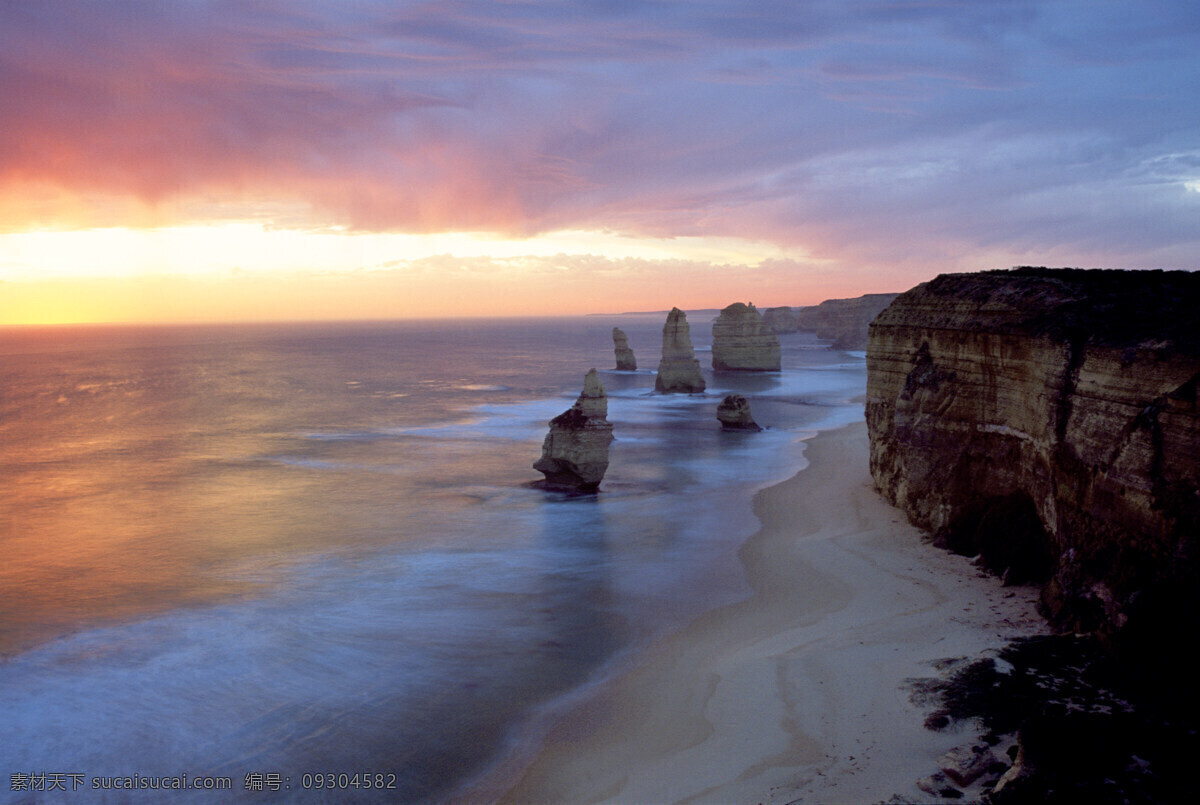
304, 561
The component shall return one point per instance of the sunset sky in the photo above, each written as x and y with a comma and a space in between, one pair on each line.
281, 159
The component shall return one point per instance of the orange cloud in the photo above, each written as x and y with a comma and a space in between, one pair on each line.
891, 142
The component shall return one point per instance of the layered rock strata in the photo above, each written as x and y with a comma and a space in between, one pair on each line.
678, 371
575, 452
626, 362
780, 319
734, 414
845, 321
743, 341
1047, 420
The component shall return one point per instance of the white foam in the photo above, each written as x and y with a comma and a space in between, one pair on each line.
348, 649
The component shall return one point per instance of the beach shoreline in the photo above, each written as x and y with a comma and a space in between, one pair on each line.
797, 692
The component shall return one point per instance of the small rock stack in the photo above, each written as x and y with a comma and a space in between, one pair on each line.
734, 414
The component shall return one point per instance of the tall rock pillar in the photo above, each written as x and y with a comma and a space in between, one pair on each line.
679, 371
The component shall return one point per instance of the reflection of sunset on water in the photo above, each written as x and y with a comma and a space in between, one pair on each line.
269, 543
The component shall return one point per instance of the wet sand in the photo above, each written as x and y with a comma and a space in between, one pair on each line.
796, 693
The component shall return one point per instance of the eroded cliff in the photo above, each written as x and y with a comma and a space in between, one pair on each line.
844, 321
1047, 419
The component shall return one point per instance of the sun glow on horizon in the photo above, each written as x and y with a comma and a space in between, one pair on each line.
246, 271
249, 246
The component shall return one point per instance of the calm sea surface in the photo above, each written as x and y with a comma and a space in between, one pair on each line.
264, 552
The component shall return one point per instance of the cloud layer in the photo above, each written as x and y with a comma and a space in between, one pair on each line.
869, 132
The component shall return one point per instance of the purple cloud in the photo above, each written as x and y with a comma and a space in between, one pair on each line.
871, 132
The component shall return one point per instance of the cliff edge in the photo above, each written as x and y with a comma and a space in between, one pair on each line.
1047, 420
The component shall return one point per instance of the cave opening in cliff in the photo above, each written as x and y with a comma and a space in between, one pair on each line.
1007, 535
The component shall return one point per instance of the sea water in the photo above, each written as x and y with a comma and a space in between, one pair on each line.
306, 559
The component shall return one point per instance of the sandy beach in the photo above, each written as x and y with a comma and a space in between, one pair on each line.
797, 693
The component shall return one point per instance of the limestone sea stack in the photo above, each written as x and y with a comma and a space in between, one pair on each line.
626, 362
1047, 420
845, 321
743, 341
575, 453
780, 319
678, 371
734, 414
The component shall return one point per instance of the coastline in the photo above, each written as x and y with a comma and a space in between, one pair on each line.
797, 691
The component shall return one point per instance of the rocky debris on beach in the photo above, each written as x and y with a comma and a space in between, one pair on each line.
678, 371
1061, 720
780, 319
734, 414
575, 452
626, 362
845, 321
966, 764
743, 341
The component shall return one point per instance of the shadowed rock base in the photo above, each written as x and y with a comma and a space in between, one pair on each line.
1064, 721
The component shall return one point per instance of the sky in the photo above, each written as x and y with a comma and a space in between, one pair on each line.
208, 160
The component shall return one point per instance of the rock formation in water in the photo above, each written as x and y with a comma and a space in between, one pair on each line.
734, 414
678, 371
845, 321
743, 342
780, 319
626, 362
1047, 420
575, 453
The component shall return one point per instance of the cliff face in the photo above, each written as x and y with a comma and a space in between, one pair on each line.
575, 452
844, 320
1047, 419
678, 371
743, 341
